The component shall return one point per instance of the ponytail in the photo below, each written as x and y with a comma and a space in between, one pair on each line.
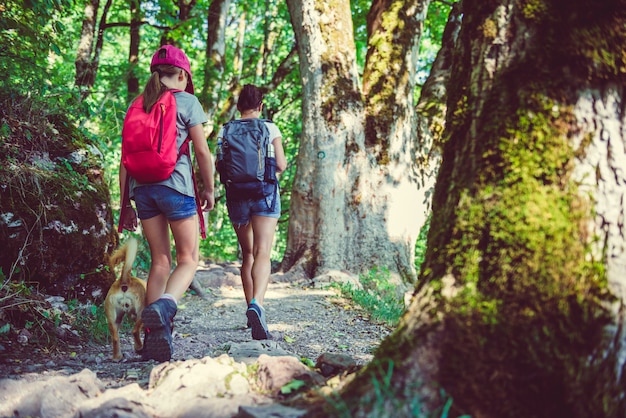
154, 89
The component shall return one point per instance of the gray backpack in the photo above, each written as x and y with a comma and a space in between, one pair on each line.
243, 163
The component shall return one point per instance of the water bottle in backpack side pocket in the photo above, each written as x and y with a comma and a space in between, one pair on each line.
219, 161
270, 164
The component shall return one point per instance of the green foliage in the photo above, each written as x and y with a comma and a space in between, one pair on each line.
360, 9
376, 295
307, 361
420, 244
21, 307
29, 32
292, 387
91, 323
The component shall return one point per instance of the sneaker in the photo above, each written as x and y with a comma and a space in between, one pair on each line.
157, 321
256, 318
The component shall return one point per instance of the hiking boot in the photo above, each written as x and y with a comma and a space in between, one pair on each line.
158, 318
256, 318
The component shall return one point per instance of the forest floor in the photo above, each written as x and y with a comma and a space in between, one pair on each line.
304, 318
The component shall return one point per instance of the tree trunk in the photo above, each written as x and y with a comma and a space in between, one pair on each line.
133, 51
214, 62
229, 106
269, 39
519, 307
85, 76
355, 194
431, 109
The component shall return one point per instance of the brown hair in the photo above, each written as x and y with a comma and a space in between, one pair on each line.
249, 98
154, 88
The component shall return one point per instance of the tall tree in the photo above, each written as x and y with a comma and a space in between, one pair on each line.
133, 50
85, 73
356, 199
519, 306
215, 56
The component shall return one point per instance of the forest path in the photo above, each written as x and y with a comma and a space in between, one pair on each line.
305, 319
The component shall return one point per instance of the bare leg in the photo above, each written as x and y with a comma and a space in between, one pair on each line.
187, 242
161, 279
263, 231
245, 238
157, 233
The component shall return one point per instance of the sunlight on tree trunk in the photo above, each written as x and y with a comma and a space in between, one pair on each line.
85, 76
229, 105
214, 62
356, 200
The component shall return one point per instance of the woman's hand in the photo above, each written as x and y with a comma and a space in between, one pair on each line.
208, 200
130, 219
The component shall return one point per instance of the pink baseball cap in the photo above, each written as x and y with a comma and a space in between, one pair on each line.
170, 55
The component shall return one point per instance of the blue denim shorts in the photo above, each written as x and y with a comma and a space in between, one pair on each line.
153, 200
241, 211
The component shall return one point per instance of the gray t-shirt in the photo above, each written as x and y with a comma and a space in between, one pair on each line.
189, 114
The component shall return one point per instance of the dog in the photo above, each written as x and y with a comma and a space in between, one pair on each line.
126, 297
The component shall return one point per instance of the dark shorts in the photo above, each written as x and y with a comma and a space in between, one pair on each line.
162, 200
241, 211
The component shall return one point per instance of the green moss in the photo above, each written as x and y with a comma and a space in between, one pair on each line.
56, 199
530, 299
385, 75
525, 321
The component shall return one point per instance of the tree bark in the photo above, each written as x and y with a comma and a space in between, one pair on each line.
431, 110
133, 50
269, 39
85, 76
519, 306
214, 62
353, 205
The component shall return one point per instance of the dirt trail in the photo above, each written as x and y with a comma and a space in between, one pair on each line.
304, 320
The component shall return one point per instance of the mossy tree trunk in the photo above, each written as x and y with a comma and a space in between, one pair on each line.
356, 200
518, 310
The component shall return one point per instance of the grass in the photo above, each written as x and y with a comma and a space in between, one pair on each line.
385, 397
377, 295
91, 322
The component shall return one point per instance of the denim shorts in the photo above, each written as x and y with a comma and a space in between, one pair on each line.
241, 211
153, 200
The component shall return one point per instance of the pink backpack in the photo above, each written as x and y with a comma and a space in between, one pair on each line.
149, 149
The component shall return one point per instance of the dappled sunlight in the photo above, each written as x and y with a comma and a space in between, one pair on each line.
306, 321
407, 211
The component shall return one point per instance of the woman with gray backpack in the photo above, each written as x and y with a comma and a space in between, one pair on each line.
250, 154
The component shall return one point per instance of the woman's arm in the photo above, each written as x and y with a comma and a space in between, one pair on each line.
279, 153
205, 162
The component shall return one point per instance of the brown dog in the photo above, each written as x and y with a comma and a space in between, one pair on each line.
127, 296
